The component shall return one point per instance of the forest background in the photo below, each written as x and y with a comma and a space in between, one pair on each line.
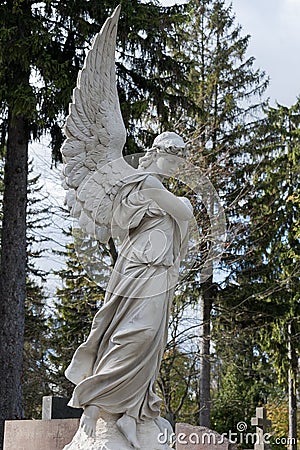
233, 339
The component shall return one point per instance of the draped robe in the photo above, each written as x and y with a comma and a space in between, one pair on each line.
116, 367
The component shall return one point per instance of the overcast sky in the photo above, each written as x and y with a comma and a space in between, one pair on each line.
275, 43
274, 26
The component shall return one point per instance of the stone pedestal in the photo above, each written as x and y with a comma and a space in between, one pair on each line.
189, 437
57, 434
39, 434
108, 437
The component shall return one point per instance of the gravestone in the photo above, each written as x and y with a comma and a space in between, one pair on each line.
56, 429
57, 408
262, 424
39, 434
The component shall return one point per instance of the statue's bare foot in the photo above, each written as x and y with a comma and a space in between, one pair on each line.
127, 426
89, 419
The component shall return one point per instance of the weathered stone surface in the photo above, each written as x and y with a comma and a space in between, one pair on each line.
39, 434
189, 437
108, 437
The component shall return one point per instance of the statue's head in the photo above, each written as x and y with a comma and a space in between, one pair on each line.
169, 142
166, 151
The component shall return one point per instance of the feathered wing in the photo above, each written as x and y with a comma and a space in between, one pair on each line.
92, 153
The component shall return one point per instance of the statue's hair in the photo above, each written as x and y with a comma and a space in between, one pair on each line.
146, 160
166, 142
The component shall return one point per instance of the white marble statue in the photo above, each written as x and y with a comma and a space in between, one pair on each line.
115, 369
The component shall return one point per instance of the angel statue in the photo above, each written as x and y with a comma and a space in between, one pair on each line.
115, 369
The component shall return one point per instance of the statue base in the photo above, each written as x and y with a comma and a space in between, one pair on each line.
108, 436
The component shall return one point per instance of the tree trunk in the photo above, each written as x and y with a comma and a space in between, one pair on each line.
204, 370
13, 271
292, 376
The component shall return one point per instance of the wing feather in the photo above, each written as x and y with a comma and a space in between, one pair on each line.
78, 120
92, 153
72, 149
80, 107
74, 164
78, 175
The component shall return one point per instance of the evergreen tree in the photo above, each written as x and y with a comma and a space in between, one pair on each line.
15, 29
243, 378
225, 93
276, 204
35, 377
77, 302
265, 295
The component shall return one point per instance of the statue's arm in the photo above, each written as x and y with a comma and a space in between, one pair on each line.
153, 189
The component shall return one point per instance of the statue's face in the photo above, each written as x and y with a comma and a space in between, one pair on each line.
168, 164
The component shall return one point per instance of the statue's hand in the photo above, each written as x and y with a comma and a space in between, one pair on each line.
89, 420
